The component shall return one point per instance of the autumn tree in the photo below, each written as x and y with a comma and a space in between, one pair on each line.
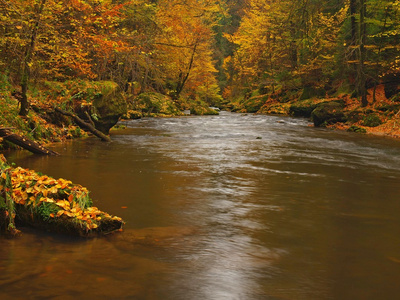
184, 46
57, 40
285, 42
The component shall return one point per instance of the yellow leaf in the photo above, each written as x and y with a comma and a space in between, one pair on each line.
68, 214
63, 204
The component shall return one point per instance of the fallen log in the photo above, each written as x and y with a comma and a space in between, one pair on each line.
55, 205
85, 126
8, 135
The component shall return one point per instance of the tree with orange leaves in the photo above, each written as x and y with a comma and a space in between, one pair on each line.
184, 46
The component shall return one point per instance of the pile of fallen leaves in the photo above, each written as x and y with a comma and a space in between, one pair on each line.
52, 204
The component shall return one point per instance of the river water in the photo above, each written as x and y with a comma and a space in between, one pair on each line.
220, 207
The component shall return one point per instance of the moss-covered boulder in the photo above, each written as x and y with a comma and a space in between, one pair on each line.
303, 108
108, 106
328, 113
99, 101
199, 107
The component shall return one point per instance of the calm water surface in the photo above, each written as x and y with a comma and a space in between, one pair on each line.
221, 207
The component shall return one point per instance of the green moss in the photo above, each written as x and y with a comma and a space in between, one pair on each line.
372, 120
357, 129
153, 104
328, 113
303, 108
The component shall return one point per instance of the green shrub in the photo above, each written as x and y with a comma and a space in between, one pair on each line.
372, 120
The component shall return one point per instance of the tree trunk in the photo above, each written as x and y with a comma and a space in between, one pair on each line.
85, 126
184, 77
25, 143
27, 60
362, 54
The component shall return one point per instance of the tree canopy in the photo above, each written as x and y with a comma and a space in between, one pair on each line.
198, 49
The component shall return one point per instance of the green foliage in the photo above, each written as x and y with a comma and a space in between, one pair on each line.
152, 104
356, 129
45, 210
372, 120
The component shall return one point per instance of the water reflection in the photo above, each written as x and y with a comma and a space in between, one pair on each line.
222, 207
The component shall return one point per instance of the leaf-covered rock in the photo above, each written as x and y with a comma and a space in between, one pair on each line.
55, 205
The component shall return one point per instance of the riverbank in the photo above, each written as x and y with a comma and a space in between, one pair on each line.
380, 117
342, 112
98, 105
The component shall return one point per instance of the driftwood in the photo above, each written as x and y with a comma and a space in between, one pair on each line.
25, 143
85, 126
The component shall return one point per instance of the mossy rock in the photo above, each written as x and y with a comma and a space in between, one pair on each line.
328, 113
102, 100
109, 105
303, 108
150, 104
201, 108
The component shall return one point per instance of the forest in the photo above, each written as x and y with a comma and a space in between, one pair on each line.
101, 60
255, 203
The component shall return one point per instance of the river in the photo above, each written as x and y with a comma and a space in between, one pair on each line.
220, 207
